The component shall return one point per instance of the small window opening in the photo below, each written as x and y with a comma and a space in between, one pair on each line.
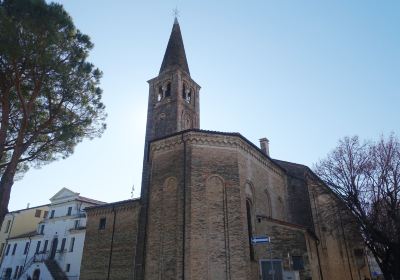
298, 262
38, 213
186, 93
46, 214
168, 90
38, 247
68, 267
71, 246
69, 211
102, 223
52, 214
42, 229
63, 241
26, 248
160, 94
46, 242
16, 272
14, 249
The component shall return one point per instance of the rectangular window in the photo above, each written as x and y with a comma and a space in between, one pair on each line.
38, 213
68, 267
45, 214
76, 225
38, 247
42, 229
8, 273
52, 214
7, 226
102, 223
26, 248
71, 245
8, 249
1, 248
298, 263
16, 272
14, 249
69, 211
46, 242
63, 244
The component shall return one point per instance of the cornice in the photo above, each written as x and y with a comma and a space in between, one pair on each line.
200, 138
106, 209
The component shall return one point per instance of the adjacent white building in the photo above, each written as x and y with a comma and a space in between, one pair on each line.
54, 249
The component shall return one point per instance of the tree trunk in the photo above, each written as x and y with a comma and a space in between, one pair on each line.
6, 183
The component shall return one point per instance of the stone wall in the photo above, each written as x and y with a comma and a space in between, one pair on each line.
109, 250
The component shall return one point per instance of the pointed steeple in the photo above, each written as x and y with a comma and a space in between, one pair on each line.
175, 56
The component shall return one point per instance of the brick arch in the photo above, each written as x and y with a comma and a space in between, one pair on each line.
268, 202
166, 222
187, 121
216, 227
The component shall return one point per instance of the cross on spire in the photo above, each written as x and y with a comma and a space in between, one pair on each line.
176, 14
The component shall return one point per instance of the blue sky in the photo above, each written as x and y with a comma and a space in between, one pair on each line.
302, 73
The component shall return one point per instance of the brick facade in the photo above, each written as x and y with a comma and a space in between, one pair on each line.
206, 194
110, 244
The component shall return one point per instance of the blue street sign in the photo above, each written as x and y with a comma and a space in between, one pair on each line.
260, 239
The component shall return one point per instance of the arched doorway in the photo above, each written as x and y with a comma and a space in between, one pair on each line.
36, 274
53, 248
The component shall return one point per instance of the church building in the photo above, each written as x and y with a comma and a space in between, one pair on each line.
215, 206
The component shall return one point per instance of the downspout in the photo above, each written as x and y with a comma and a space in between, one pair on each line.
184, 209
112, 244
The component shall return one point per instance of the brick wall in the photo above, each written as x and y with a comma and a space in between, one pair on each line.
109, 252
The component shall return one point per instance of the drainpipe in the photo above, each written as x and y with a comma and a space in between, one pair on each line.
112, 244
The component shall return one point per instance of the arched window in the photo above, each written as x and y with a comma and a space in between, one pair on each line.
186, 93
250, 227
160, 94
168, 90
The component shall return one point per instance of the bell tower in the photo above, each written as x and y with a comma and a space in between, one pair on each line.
173, 106
173, 103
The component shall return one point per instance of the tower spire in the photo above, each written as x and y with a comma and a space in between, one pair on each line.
175, 56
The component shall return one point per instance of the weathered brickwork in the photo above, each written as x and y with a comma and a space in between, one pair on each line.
109, 248
204, 196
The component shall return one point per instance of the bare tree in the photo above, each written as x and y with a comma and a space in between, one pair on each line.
367, 177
